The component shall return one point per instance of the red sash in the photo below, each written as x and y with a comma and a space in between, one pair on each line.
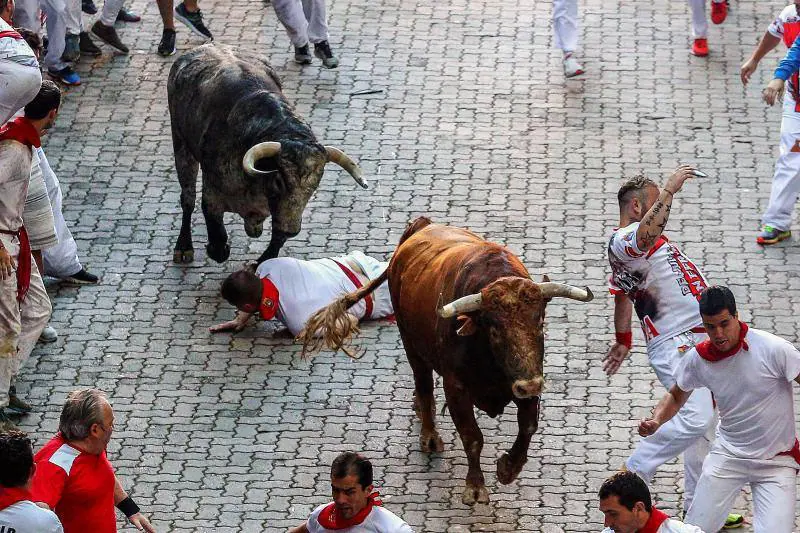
24, 262
329, 519
794, 453
654, 522
10, 33
357, 282
709, 352
11, 495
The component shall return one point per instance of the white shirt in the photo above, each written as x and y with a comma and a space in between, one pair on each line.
27, 517
16, 50
662, 283
305, 287
670, 526
379, 520
753, 391
15, 175
786, 27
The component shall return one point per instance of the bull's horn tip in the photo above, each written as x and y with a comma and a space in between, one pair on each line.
446, 311
590, 294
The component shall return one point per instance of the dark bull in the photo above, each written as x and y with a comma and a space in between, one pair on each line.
259, 159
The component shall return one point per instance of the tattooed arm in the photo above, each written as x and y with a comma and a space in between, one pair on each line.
652, 225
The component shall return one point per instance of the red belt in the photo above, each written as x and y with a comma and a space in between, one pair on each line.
357, 282
23, 261
698, 329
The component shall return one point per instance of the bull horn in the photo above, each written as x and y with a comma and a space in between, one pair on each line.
464, 304
343, 160
259, 151
554, 290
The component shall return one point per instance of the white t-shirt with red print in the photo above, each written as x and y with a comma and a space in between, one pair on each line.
787, 27
662, 283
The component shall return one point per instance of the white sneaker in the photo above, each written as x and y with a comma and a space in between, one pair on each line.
49, 334
571, 67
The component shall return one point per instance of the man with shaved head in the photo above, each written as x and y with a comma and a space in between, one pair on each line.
652, 275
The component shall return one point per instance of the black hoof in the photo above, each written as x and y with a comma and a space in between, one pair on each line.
219, 254
183, 256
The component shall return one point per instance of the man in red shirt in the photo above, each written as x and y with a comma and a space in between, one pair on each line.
73, 476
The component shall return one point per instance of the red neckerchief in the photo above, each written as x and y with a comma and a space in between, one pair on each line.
269, 299
11, 495
709, 352
329, 519
21, 130
654, 522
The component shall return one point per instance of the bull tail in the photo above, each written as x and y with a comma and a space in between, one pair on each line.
333, 327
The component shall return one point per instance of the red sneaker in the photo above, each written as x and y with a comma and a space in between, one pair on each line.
719, 11
700, 47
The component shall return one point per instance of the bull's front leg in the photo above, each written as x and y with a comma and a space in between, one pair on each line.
217, 248
459, 403
510, 464
276, 242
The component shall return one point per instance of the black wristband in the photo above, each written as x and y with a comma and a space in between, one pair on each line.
128, 507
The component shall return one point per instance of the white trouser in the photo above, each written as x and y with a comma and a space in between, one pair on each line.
26, 14
304, 20
60, 260
74, 17
20, 324
786, 180
565, 24
110, 10
19, 84
699, 21
689, 432
771, 480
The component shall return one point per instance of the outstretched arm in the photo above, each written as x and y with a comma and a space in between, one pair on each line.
236, 325
652, 225
669, 405
766, 45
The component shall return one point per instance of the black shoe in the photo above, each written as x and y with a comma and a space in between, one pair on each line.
88, 47
17, 405
167, 45
6, 424
194, 20
81, 277
126, 15
72, 49
323, 51
108, 35
302, 55
88, 7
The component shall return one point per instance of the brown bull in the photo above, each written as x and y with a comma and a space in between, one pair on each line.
487, 343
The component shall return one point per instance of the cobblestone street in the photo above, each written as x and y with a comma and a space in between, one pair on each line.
475, 127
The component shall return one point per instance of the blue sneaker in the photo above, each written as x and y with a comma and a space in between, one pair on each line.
770, 235
66, 75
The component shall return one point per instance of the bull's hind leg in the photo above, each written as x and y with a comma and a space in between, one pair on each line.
187, 168
425, 405
217, 248
461, 410
510, 464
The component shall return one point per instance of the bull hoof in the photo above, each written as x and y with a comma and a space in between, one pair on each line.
219, 254
473, 495
431, 442
183, 256
507, 471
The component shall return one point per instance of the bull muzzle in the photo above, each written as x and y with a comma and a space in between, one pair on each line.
524, 389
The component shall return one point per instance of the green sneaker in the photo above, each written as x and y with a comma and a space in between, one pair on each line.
770, 235
734, 521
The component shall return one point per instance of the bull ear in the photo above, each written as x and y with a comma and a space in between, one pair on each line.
468, 326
